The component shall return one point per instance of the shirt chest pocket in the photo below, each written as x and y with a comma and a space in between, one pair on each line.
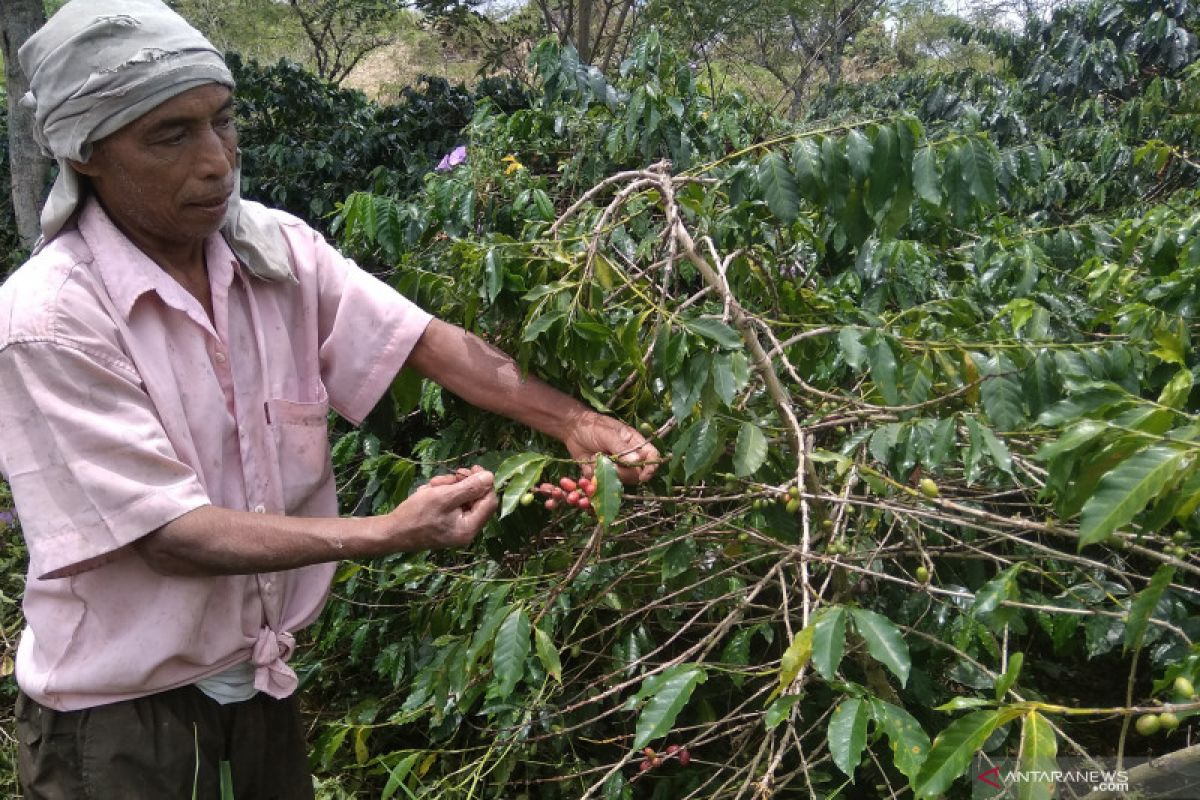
301, 435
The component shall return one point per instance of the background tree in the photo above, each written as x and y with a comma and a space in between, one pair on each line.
263, 30
791, 42
341, 32
29, 169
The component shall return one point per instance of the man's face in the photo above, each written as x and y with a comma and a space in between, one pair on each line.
165, 178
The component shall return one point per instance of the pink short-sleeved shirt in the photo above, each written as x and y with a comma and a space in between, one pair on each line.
122, 407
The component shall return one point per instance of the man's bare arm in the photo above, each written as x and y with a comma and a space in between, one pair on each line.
486, 377
447, 512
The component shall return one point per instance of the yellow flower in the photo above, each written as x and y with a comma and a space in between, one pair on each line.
513, 164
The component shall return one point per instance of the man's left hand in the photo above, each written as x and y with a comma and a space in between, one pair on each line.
593, 433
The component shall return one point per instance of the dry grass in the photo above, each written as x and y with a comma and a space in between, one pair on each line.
382, 74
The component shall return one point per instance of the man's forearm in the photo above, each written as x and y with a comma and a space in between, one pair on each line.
446, 512
218, 541
488, 378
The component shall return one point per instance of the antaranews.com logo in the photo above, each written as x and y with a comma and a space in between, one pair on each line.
1071, 778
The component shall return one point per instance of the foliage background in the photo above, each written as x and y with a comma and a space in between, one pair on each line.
981, 278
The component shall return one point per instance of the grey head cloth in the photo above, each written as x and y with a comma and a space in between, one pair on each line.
98, 65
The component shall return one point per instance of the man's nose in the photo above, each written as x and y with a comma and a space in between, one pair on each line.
215, 157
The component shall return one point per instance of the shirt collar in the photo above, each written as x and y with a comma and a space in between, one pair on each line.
128, 273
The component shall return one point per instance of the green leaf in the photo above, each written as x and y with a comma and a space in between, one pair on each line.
608, 490
540, 325
493, 272
806, 162
1006, 681
884, 642
605, 271
982, 171
963, 703
883, 369
723, 379
548, 654
925, 176
1003, 400
544, 206
829, 640
617, 788
982, 436
1177, 390
688, 386
509, 652
1143, 605
361, 753
518, 474
909, 742
679, 558
704, 447
847, 734
670, 695
1127, 489
1081, 404
952, 752
997, 590
716, 331
750, 451
397, 774
1039, 753
885, 169
858, 154
941, 442
850, 342
779, 187
1072, 439
779, 710
795, 657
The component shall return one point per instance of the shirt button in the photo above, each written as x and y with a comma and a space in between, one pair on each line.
219, 358
260, 509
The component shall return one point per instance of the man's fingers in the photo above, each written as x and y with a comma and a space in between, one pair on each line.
470, 489
639, 464
443, 480
476, 515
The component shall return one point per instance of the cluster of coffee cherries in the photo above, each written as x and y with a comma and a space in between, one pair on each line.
1167, 721
653, 759
577, 492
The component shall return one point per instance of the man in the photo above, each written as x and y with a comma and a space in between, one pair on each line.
168, 358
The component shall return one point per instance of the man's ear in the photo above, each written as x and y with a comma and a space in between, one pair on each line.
82, 167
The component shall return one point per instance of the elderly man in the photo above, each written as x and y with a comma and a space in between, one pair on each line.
168, 358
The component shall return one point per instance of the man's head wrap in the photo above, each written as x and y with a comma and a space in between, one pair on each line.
98, 65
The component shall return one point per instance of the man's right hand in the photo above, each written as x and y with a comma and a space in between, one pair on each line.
449, 511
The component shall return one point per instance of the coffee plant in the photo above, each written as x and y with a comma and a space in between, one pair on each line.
923, 374
307, 143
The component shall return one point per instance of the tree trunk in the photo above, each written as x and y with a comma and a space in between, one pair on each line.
583, 39
30, 169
